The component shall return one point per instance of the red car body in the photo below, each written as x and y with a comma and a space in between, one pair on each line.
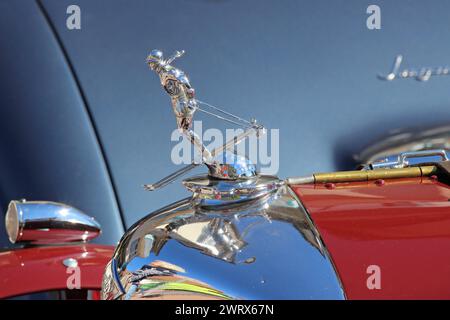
401, 226
40, 269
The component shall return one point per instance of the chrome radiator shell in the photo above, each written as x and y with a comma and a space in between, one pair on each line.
264, 248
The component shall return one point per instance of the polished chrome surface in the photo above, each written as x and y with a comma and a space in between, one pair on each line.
264, 248
217, 191
233, 167
406, 159
300, 180
420, 74
42, 222
177, 85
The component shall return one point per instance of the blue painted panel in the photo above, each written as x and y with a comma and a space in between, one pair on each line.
307, 67
48, 149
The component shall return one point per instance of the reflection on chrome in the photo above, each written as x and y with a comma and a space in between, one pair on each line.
161, 278
258, 249
45, 222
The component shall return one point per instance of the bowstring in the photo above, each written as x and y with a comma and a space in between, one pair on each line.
225, 119
243, 123
238, 120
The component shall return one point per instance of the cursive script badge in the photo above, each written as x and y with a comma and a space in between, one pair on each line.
420, 74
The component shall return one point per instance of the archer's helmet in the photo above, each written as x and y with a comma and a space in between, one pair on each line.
155, 58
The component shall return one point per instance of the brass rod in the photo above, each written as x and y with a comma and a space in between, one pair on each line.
367, 175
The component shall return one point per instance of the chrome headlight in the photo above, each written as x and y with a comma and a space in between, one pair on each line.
40, 222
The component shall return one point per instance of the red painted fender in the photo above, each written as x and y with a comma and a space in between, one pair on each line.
25, 271
401, 226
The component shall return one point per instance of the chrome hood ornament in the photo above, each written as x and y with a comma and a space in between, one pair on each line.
241, 235
240, 173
